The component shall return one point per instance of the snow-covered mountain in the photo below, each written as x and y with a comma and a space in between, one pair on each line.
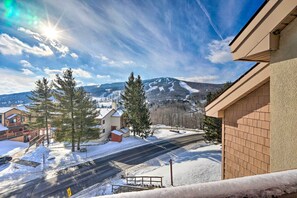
157, 90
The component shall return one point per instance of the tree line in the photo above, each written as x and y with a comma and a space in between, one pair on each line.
72, 111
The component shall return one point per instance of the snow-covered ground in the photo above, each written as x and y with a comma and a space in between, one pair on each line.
192, 164
58, 155
8, 147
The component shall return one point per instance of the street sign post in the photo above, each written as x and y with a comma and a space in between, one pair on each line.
69, 192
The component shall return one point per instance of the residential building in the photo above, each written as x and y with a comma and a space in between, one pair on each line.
110, 119
13, 125
259, 110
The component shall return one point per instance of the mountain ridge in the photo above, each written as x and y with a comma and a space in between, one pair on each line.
157, 90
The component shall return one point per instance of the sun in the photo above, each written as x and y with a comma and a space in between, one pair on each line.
50, 32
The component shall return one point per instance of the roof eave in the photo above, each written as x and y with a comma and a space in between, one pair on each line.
261, 35
253, 79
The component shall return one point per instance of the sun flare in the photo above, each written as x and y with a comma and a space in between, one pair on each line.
50, 32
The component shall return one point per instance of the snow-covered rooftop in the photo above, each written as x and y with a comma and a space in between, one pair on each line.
117, 132
3, 128
266, 185
5, 109
103, 112
8, 147
125, 130
22, 108
118, 113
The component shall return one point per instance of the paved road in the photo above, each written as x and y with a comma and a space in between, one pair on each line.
87, 174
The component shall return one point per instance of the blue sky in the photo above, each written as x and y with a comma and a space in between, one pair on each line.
104, 40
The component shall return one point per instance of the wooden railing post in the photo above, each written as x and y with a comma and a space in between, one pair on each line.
142, 181
171, 174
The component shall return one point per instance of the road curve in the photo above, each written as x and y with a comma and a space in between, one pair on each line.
81, 176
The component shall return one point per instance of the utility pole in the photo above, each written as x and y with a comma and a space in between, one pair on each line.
171, 174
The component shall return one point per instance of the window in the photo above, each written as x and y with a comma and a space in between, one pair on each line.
0, 118
103, 130
103, 121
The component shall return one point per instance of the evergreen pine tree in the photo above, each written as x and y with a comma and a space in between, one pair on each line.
213, 126
136, 110
86, 113
128, 98
41, 106
65, 94
143, 117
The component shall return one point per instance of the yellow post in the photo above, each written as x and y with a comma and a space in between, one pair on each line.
69, 192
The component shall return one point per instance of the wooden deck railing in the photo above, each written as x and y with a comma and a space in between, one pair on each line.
144, 180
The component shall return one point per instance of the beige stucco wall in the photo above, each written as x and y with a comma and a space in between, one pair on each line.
106, 126
284, 101
116, 121
109, 122
246, 138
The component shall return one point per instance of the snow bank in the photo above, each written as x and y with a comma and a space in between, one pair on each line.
8, 147
166, 133
192, 163
14, 173
37, 154
187, 87
189, 167
266, 185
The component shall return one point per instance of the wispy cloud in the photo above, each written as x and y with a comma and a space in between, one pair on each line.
13, 46
15, 81
26, 64
219, 51
209, 19
27, 72
199, 78
103, 76
74, 55
112, 38
63, 49
77, 72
